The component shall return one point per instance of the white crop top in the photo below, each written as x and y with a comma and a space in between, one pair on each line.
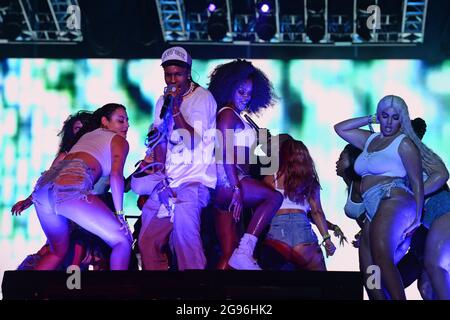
353, 209
385, 162
98, 144
289, 204
245, 137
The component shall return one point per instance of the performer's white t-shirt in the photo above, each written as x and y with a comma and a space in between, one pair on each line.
198, 165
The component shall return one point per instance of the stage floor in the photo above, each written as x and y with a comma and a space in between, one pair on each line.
192, 285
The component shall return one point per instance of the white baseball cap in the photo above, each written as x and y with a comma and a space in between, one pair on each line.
176, 56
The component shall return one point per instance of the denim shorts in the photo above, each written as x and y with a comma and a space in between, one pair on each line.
436, 206
292, 229
374, 195
222, 179
78, 178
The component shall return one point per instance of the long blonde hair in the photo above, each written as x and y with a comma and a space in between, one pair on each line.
429, 158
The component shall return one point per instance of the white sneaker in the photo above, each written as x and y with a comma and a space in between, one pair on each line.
243, 260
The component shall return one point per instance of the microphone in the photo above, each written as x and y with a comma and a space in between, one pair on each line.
168, 99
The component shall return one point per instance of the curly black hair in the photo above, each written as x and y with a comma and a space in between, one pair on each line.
353, 153
67, 135
419, 126
225, 79
95, 121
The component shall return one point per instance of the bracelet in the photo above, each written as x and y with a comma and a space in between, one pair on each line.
326, 237
176, 114
236, 188
119, 212
371, 119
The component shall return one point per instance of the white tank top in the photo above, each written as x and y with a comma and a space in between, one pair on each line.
245, 137
98, 144
289, 204
353, 209
385, 162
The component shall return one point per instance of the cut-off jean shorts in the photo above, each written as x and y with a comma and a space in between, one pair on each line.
374, 195
78, 184
436, 206
292, 229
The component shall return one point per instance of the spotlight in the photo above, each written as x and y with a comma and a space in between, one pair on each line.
217, 27
215, 5
315, 27
266, 27
364, 33
212, 7
361, 27
264, 7
315, 23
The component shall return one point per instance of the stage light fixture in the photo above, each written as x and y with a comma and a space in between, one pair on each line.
217, 25
265, 26
211, 7
361, 26
315, 27
315, 23
265, 6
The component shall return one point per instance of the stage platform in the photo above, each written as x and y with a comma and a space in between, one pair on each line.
192, 285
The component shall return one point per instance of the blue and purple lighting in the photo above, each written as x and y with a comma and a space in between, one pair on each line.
211, 7
29, 123
265, 8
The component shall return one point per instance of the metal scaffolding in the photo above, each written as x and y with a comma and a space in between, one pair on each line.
339, 28
414, 16
53, 21
58, 21
172, 19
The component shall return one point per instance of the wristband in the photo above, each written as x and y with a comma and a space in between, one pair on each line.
326, 237
119, 212
371, 119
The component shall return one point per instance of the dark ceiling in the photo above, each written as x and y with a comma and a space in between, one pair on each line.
128, 29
